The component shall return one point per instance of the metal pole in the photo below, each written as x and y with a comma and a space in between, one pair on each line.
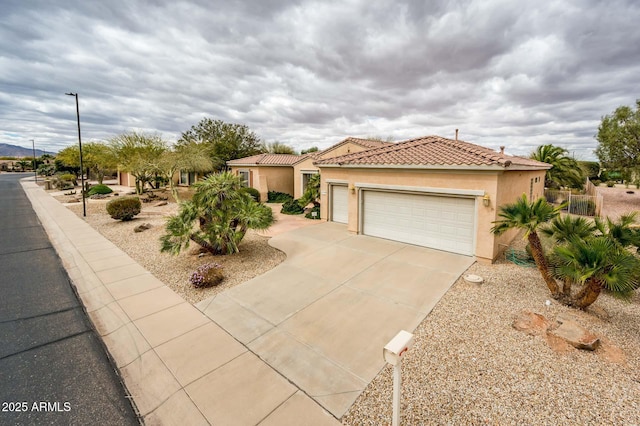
84, 206
35, 172
397, 383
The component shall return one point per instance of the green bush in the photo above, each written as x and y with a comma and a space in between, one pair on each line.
253, 192
207, 275
292, 207
583, 207
596, 182
278, 197
99, 189
124, 208
610, 183
315, 209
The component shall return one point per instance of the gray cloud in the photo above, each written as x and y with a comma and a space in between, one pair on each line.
311, 73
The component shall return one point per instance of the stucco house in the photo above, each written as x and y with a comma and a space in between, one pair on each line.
290, 173
431, 191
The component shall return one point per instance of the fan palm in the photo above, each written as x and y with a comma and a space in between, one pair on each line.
596, 263
565, 228
530, 216
224, 214
620, 230
565, 171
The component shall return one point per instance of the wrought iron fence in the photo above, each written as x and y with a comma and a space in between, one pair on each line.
589, 204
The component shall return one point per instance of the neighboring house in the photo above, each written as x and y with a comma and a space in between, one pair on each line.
266, 172
290, 173
432, 191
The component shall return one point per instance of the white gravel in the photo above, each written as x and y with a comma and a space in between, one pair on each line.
256, 256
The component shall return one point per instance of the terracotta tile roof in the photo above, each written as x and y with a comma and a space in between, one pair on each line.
433, 151
266, 159
366, 143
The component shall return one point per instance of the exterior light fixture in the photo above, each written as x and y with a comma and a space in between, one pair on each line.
486, 200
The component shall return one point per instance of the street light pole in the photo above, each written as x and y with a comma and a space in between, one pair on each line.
35, 172
84, 206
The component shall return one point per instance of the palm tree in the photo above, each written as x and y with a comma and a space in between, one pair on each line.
620, 230
224, 214
23, 164
565, 228
566, 172
597, 263
530, 216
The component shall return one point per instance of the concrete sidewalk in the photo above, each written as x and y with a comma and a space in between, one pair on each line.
180, 367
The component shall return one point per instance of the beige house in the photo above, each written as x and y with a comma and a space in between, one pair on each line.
432, 191
290, 173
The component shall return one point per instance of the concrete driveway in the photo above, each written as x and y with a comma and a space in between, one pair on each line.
322, 317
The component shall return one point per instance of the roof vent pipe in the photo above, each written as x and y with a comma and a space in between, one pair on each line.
456, 134
502, 149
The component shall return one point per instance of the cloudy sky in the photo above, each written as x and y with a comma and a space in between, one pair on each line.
504, 72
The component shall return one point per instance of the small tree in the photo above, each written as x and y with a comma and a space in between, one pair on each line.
192, 157
619, 138
139, 154
278, 148
309, 150
223, 213
223, 141
530, 216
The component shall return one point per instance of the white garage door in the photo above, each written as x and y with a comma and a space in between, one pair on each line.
339, 204
443, 223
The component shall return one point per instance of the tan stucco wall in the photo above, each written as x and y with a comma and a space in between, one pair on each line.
500, 186
306, 165
125, 179
269, 178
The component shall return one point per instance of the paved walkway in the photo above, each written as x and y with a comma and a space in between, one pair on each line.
179, 366
322, 317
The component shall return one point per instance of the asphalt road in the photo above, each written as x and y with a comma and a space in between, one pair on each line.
53, 366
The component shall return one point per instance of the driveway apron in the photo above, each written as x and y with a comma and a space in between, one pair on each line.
322, 317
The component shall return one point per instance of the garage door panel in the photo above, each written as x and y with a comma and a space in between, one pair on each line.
339, 204
444, 223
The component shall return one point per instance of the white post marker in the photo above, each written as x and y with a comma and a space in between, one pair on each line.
393, 353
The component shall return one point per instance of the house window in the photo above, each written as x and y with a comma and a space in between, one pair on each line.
187, 178
306, 175
245, 177
184, 178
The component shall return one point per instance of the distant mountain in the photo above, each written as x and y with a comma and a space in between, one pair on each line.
7, 150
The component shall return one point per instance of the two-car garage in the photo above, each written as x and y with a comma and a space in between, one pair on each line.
439, 221
434, 221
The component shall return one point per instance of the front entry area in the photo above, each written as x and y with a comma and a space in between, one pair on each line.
435, 221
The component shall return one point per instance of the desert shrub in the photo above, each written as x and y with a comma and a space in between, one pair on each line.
596, 182
207, 275
253, 192
583, 207
99, 189
124, 208
610, 183
278, 197
315, 209
292, 207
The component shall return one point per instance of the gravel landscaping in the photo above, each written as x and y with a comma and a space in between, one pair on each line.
468, 364
256, 256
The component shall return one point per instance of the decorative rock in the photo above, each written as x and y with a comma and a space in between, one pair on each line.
576, 335
161, 203
531, 323
142, 227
